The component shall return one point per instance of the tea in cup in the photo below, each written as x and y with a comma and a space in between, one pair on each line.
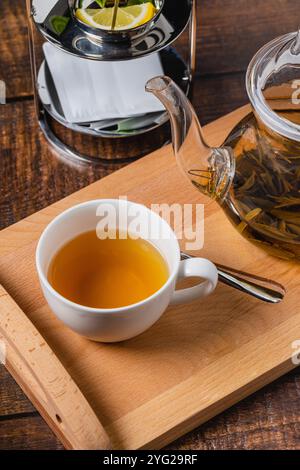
112, 285
110, 273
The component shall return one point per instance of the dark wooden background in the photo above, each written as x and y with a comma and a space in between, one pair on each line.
31, 178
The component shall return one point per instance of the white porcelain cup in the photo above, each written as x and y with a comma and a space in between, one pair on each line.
119, 324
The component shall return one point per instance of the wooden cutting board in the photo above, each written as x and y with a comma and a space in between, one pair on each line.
195, 362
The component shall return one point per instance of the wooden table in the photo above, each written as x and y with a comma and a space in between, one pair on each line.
31, 177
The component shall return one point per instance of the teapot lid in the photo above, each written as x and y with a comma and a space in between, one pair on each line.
273, 85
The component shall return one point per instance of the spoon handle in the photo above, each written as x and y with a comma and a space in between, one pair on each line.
258, 287
115, 14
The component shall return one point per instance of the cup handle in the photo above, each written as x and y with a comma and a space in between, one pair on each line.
196, 267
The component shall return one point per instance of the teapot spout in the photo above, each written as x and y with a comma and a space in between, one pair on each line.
211, 170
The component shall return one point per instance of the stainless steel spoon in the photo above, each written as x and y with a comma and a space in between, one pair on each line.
258, 287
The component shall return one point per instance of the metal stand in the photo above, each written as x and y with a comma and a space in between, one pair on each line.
159, 39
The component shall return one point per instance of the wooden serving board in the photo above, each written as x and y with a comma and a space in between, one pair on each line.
198, 360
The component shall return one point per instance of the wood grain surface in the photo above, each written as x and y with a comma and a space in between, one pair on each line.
42, 376
203, 356
31, 178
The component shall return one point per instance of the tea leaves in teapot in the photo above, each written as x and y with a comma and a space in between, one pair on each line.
264, 199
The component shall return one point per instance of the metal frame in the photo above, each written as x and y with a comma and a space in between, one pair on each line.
57, 144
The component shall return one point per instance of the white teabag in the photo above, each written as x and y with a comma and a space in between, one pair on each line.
43, 10
91, 90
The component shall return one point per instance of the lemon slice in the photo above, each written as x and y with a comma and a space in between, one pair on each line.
102, 18
127, 17
142, 13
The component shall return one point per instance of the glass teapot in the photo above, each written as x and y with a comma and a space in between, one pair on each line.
255, 176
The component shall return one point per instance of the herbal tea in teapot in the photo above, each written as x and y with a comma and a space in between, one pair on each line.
255, 175
264, 197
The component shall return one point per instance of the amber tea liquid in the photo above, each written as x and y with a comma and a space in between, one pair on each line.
107, 273
266, 186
